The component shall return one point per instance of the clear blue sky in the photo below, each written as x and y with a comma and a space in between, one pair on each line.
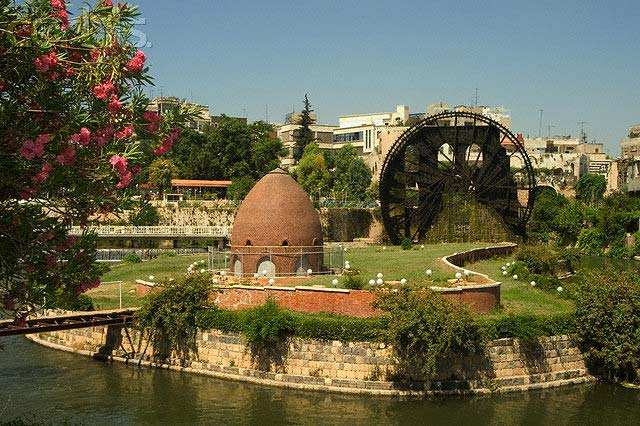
577, 60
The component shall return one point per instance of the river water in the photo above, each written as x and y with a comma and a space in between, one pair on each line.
43, 385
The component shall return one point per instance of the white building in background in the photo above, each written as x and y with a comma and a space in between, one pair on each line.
378, 119
499, 114
322, 133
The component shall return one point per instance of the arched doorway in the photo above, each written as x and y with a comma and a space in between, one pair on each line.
266, 268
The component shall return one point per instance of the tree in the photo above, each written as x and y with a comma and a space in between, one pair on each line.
233, 150
303, 136
161, 171
352, 177
312, 173
568, 223
590, 188
240, 187
548, 204
74, 133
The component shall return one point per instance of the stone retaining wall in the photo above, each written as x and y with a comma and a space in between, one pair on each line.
350, 367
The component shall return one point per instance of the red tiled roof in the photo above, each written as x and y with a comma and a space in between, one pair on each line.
199, 183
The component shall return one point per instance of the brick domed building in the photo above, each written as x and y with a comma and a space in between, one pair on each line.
276, 229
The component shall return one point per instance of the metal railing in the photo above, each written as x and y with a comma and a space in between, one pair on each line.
331, 258
156, 231
114, 255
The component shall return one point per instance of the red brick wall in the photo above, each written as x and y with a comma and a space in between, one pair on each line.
482, 300
355, 303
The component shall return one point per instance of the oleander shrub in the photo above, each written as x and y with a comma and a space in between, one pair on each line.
406, 244
608, 322
426, 331
131, 258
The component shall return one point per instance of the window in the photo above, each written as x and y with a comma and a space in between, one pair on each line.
348, 137
248, 243
285, 243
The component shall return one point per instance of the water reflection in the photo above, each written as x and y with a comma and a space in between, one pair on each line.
51, 386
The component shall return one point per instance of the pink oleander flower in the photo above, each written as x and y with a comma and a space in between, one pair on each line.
114, 104
46, 62
27, 193
83, 137
43, 174
103, 136
108, 3
104, 90
125, 180
67, 157
126, 132
34, 149
63, 16
136, 64
119, 163
153, 121
58, 4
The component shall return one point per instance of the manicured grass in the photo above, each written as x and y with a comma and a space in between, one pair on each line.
163, 267
395, 263
518, 296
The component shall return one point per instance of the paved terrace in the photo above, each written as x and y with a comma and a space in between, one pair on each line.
157, 231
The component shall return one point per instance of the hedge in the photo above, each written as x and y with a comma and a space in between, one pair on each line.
346, 329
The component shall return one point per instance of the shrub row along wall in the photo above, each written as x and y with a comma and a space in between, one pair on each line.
353, 367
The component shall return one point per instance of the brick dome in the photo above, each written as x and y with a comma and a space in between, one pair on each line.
276, 217
277, 212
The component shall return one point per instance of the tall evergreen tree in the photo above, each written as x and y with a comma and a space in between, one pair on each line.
303, 136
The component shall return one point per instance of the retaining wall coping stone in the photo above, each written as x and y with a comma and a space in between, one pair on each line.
324, 289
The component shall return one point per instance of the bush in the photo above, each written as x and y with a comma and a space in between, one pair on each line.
145, 215
538, 259
267, 329
427, 331
543, 282
608, 322
170, 317
406, 244
618, 250
526, 327
353, 282
81, 302
131, 258
170, 253
312, 326
636, 247
591, 242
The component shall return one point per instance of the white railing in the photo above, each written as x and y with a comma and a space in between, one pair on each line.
155, 231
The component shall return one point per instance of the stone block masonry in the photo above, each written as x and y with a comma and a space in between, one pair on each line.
349, 367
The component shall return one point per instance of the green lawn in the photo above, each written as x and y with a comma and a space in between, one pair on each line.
519, 296
163, 267
393, 262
